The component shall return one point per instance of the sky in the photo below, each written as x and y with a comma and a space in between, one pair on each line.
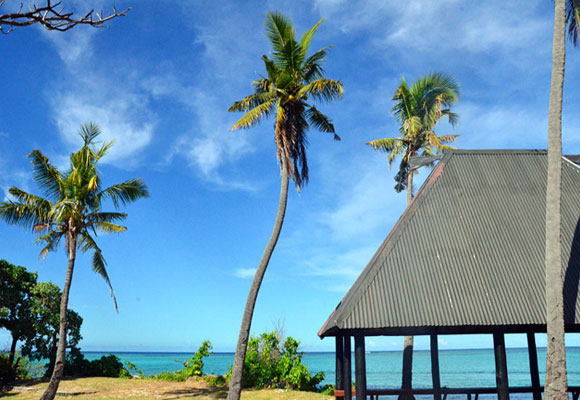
159, 82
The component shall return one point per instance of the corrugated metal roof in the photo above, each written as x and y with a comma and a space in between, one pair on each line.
469, 250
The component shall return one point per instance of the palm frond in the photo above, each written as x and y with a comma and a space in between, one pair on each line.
453, 118
321, 121
403, 107
63, 210
26, 215
125, 192
89, 132
47, 176
86, 243
261, 85
103, 150
52, 240
279, 30
323, 90
307, 37
448, 138
253, 116
412, 126
105, 217
29, 199
251, 101
386, 145
442, 147
99, 266
271, 68
108, 227
312, 68
290, 57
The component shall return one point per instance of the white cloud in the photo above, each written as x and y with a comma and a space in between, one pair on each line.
245, 273
210, 144
123, 117
505, 127
348, 264
74, 47
122, 111
445, 24
364, 206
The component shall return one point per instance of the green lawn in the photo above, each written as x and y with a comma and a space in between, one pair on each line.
147, 389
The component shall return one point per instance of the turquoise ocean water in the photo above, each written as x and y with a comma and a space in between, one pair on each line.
459, 368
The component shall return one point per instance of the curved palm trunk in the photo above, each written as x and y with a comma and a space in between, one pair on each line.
556, 384
240, 357
57, 372
408, 341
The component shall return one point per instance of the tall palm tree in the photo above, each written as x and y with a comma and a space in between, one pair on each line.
418, 109
71, 211
292, 79
567, 12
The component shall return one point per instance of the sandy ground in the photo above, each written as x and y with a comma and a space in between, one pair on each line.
145, 389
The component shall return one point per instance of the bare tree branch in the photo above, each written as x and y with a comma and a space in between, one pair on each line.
53, 17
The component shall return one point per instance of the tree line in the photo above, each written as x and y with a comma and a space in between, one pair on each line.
30, 312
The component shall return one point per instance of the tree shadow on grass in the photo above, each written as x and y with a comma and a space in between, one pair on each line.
212, 393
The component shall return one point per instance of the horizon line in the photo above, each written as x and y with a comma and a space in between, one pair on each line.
309, 352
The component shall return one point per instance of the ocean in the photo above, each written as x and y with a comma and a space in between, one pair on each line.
459, 368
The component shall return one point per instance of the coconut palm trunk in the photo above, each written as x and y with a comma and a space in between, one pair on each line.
556, 385
58, 370
407, 378
237, 370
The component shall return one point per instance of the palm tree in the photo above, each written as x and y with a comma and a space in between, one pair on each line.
71, 211
418, 109
567, 12
292, 78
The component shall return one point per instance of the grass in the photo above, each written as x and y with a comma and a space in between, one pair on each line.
148, 389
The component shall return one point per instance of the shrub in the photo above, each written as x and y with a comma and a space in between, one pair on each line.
271, 363
193, 366
215, 380
130, 370
108, 366
328, 389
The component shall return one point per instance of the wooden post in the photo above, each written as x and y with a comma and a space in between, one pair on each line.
360, 367
435, 367
347, 373
501, 372
534, 373
339, 363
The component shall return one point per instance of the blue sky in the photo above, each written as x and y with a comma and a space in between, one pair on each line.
160, 80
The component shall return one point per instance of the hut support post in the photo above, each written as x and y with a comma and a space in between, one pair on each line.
501, 372
360, 367
534, 373
347, 371
339, 364
435, 367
